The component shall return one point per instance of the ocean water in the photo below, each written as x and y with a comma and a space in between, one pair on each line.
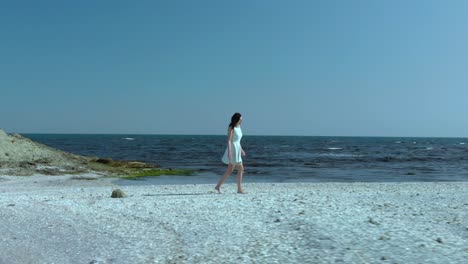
285, 158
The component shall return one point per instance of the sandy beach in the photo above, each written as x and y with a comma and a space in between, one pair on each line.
62, 219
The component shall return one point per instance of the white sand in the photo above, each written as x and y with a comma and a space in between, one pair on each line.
59, 220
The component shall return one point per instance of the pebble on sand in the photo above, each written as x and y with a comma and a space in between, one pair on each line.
118, 194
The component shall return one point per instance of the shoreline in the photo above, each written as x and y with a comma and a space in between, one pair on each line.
62, 220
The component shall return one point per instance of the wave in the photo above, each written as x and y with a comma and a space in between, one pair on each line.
409, 159
343, 155
128, 138
334, 148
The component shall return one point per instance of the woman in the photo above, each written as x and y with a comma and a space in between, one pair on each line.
233, 154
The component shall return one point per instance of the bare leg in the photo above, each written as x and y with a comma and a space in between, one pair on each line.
240, 171
228, 172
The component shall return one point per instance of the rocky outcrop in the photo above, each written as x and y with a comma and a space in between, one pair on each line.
22, 156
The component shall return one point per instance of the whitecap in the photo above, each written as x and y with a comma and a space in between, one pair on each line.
334, 148
462, 143
344, 155
128, 138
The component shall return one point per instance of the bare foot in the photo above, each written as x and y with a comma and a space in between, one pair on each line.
241, 192
217, 189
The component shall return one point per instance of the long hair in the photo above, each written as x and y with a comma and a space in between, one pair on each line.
234, 120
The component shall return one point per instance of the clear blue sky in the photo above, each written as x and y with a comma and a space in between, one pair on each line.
320, 68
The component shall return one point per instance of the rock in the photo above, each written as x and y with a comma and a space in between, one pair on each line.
118, 194
384, 238
24, 157
86, 178
439, 240
26, 164
137, 164
124, 164
43, 160
384, 258
104, 161
372, 221
48, 171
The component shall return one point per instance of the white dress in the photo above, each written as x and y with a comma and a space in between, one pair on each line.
236, 149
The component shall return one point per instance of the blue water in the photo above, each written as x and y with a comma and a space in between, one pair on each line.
285, 158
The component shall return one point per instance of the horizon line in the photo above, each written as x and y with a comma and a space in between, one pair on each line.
255, 135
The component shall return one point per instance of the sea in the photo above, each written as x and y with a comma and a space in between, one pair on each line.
281, 158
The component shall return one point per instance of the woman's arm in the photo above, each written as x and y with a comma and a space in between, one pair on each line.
229, 142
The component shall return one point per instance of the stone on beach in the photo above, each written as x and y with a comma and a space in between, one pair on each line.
118, 194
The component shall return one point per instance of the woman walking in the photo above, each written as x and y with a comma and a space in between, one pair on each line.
233, 154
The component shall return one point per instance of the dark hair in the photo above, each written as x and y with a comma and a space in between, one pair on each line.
234, 120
